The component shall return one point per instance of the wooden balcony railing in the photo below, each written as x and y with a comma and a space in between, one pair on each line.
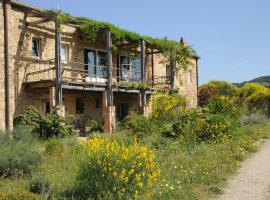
71, 71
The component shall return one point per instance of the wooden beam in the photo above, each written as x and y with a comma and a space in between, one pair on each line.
154, 52
58, 92
38, 22
110, 66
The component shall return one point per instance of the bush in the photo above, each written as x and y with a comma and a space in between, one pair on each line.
213, 122
165, 105
39, 184
115, 170
214, 89
44, 126
255, 97
137, 124
251, 88
202, 125
92, 125
19, 154
224, 105
30, 117
16, 189
253, 118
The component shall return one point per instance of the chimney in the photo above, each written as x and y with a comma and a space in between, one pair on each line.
183, 41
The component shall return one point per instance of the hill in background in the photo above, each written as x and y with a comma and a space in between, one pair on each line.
264, 80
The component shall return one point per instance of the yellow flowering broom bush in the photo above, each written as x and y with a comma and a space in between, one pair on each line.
113, 170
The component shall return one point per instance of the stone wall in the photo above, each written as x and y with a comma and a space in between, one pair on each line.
21, 62
185, 80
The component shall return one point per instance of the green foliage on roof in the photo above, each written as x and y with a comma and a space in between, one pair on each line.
175, 52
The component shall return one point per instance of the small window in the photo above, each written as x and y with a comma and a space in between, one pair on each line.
35, 48
46, 107
79, 106
189, 76
64, 53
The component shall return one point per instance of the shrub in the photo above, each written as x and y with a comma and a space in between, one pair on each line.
216, 88
51, 125
30, 117
19, 154
137, 124
167, 104
44, 126
253, 118
202, 125
255, 97
39, 184
115, 170
16, 189
224, 105
92, 125
251, 88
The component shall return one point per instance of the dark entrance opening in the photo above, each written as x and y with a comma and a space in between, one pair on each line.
121, 111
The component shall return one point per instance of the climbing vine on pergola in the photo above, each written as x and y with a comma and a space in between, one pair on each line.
177, 54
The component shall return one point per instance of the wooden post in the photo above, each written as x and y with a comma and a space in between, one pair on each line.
109, 84
58, 87
143, 94
107, 96
6, 70
142, 60
172, 76
152, 67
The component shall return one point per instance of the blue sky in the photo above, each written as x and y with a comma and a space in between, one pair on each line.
232, 37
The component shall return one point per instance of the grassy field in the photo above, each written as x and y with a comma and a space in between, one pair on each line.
188, 171
200, 171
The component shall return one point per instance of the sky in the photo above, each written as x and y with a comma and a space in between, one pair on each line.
232, 37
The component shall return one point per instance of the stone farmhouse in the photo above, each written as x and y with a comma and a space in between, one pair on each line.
50, 65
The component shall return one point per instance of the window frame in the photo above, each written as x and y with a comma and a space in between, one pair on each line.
96, 62
38, 40
66, 46
130, 70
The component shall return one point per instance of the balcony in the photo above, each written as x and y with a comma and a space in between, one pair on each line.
77, 73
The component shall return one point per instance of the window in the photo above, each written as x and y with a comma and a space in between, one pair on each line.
90, 62
102, 59
79, 106
35, 48
189, 76
64, 53
96, 63
130, 68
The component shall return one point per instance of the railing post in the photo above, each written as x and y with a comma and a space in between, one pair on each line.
58, 87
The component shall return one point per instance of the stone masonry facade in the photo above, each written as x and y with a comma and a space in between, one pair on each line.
21, 62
